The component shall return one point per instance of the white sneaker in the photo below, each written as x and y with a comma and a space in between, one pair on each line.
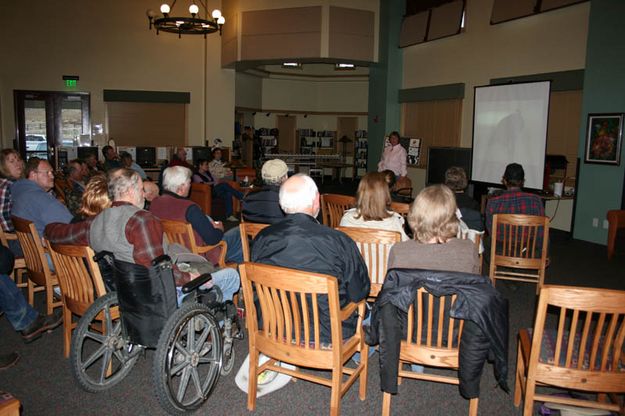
232, 218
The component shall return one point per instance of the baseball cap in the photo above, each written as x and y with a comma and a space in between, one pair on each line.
514, 172
274, 169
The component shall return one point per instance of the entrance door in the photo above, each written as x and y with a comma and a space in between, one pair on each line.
46, 121
286, 134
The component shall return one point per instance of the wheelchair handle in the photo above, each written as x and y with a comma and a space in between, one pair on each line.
160, 259
197, 282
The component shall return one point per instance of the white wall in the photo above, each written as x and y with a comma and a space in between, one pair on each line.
109, 46
548, 42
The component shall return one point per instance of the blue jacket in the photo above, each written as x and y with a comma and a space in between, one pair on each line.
32, 203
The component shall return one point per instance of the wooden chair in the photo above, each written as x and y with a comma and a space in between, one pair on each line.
403, 188
40, 277
429, 343
333, 206
374, 246
19, 268
202, 194
616, 221
402, 208
290, 336
81, 283
243, 172
182, 233
579, 347
516, 245
248, 232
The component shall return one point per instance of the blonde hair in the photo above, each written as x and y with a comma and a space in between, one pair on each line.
95, 198
433, 215
373, 197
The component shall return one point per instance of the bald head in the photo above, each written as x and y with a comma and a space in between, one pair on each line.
299, 194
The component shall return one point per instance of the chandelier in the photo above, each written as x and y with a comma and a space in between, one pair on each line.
193, 25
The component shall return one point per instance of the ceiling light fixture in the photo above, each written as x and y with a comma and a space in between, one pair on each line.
344, 67
193, 25
292, 65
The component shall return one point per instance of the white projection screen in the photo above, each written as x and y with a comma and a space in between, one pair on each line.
510, 125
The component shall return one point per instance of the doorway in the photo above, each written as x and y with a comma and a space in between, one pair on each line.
286, 134
45, 121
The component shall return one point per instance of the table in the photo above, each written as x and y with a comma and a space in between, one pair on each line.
336, 168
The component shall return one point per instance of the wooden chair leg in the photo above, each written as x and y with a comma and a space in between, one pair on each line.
364, 362
386, 404
335, 395
473, 407
528, 403
520, 371
252, 379
31, 292
67, 330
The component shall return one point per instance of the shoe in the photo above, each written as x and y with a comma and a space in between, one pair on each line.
40, 325
232, 218
8, 360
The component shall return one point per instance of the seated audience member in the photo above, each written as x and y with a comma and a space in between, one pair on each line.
221, 190
180, 158
21, 315
93, 165
218, 167
434, 223
94, 200
111, 159
150, 191
174, 205
300, 242
75, 177
456, 180
128, 163
373, 199
264, 206
32, 200
131, 233
11, 169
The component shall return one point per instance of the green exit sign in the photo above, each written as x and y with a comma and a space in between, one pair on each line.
71, 81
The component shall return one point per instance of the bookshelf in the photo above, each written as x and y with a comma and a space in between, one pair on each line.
311, 141
269, 138
361, 152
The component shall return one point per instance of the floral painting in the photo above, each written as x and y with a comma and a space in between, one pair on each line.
603, 141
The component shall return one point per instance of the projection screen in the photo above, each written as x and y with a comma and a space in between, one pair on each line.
510, 125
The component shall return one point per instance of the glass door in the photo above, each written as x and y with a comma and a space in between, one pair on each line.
46, 121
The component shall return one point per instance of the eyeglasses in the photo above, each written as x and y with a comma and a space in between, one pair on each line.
46, 172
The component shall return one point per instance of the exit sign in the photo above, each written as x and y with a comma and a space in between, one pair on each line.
71, 81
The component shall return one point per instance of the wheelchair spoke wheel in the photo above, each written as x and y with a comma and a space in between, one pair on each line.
188, 359
100, 356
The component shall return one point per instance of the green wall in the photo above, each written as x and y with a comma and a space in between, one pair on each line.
385, 80
600, 187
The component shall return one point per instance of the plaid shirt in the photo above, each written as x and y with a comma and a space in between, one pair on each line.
513, 201
6, 203
143, 231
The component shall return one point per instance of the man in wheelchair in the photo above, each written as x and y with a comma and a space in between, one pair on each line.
132, 234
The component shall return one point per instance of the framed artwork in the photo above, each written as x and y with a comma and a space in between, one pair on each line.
604, 138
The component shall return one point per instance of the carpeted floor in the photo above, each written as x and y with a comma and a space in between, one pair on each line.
42, 379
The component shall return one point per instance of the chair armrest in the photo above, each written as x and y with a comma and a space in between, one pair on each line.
197, 282
10, 236
222, 255
348, 310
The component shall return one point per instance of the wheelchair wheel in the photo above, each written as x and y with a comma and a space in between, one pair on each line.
100, 356
228, 358
188, 359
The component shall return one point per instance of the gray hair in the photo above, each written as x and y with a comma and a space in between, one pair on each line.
174, 177
294, 200
122, 181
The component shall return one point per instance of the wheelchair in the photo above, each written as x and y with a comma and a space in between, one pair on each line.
140, 312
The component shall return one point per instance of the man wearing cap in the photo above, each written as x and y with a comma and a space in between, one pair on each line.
264, 206
513, 200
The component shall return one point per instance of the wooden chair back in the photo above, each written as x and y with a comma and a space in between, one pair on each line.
182, 233
202, 194
616, 222
433, 340
40, 277
291, 326
248, 232
402, 208
243, 172
80, 280
19, 267
333, 206
61, 187
576, 344
403, 187
519, 248
374, 246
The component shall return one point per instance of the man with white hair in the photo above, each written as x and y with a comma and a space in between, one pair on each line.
174, 205
264, 206
300, 242
131, 233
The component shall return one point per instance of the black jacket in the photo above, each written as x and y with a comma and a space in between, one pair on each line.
263, 206
485, 334
300, 242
